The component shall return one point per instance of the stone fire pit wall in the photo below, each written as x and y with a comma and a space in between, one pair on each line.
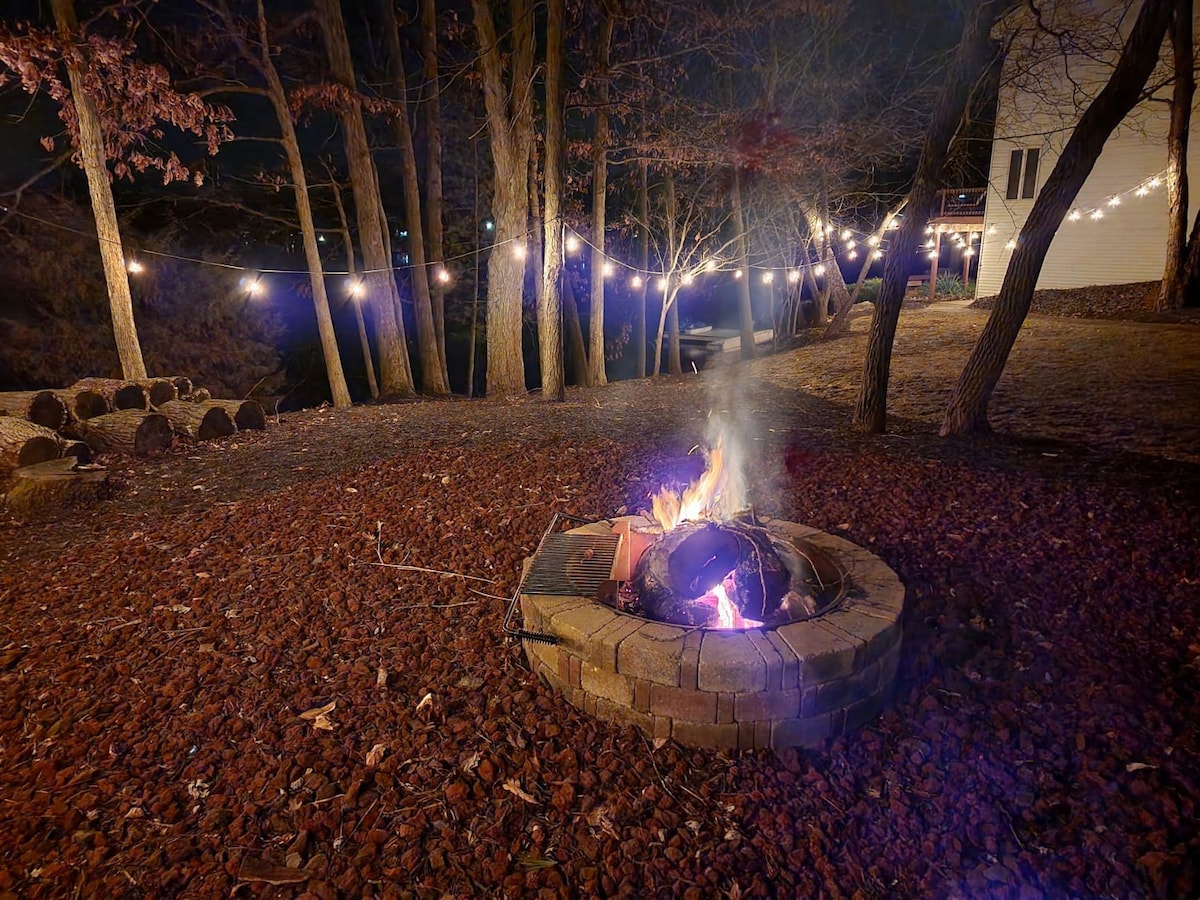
794, 686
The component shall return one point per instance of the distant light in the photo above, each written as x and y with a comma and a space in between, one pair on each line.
1011, 245
793, 275
853, 254
636, 281
819, 270
134, 267
489, 225
443, 276
1075, 215
607, 269
737, 273
710, 265
403, 234
321, 238
846, 233
768, 277
572, 243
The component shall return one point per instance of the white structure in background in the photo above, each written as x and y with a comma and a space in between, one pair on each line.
1117, 232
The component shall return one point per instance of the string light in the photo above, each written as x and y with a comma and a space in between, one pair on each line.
134, 267
636, 281
737, 273
254, 286
662, 284
572, 243
518, 251
1097, 214
443, 276
710, 265
933, 254
846, 233
1011, 245
1114, 201
768, 276
878, 254
873, 240
687, 278
819, 270
850, 245
852, 255
607, 269
793, 275
1075, 215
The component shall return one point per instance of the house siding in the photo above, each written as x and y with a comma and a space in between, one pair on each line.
1128, 244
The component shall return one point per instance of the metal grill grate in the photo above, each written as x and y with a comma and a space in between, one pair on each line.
572, 564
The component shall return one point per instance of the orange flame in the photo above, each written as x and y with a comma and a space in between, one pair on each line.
728, 615
670, 509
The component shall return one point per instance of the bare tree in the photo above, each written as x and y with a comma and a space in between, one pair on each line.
967, 409
600, 139
550, 342
356, 290
510, 129
1171, 292
431, 117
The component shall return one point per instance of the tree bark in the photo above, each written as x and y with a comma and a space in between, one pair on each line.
431, 109
1170, 292
117, 394
381, 284
198, 421
108, 232
742, 248
22, 443
967, 409
970, 59
43, 408
433, 376
128, 431
674, 359
550, 341
596, 361
291, 146
639, 300
510, 128
576, 350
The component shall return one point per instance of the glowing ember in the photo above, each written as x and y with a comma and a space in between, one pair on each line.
728, 613
699, 497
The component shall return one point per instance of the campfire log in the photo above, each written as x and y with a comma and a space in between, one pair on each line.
247, 415
23, 443
128, 431
198, 421
160, 390
40, 407
118, 394
689, 561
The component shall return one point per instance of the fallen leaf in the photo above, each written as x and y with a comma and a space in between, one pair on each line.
316, 711
427, 700
470, 682
381, 677
351, 490
375, 754
264, 870
469, 764
1137, 767
514, 787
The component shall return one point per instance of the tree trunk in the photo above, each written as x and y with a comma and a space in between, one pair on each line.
112, 254
967, 409
43, 408
1190, 277
972, 57
117, 394
291, 146
198, 421
381, 284
433, 377
247, 415
431, 109
510, 129
1170, 292
639, 300
22, 443
742, 248
576, 350
128, 431
356, 291
674, 360
596, 359
550, 342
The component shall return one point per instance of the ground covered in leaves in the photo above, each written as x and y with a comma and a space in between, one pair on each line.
248, 672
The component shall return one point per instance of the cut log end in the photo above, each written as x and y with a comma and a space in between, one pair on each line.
198, 421
40, 407
53, 485
128, 431
131, 396
86, 404
37, 450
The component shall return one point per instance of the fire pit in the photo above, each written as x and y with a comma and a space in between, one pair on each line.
820, 665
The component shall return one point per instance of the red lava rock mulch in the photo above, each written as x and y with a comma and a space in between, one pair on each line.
240, 676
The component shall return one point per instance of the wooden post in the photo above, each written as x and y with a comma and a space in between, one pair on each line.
933, 263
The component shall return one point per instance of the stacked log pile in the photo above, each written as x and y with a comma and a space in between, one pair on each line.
111, 415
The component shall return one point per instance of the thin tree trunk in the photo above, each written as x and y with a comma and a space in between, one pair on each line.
599, 197
355, 290
971, 58
474, 332
742, 248
639, 300
674, 361
433, 378
393, 354
576, 348
820, 292
108, 232
550, 343
1170, 292
510, 128
312, 253
431, 109
967, 409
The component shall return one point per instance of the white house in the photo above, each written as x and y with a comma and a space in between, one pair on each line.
1117, 232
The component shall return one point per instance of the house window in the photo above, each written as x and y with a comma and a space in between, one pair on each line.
1022, 174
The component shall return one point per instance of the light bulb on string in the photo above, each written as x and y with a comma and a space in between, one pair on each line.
829, 229
768, 277
846, 234
572, 243
1097, 214
606, 269
443, 276
1011, 245
518, 251
134, 267
793, 275
969, 251
933, 254
873, 240
929, 229
991, 229
929, 245
1154, 182
253, 285
1075, 215
853, 254
878, 254
1142, 191
737, 273
819, 270
636, 281
850, 245
662, 284
687, 278
710, 265
1114, 201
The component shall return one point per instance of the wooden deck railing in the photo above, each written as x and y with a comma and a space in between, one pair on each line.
962, 202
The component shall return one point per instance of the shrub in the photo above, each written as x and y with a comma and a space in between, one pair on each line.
869, 292
950, 284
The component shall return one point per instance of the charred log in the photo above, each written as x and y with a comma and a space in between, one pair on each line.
23, 443
117, 393
198, 421
128, 431
40, 407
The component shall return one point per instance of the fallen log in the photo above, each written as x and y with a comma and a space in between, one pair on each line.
198, 421
200, 395
40, 407
82, 404
183, 386
78, 451
23, 443
247, 415
53, 485
128, 431
117, 393
160, 390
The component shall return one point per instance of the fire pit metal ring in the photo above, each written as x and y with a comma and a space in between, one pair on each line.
792, 686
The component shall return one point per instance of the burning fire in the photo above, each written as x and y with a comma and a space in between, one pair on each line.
729, 616
699, 498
